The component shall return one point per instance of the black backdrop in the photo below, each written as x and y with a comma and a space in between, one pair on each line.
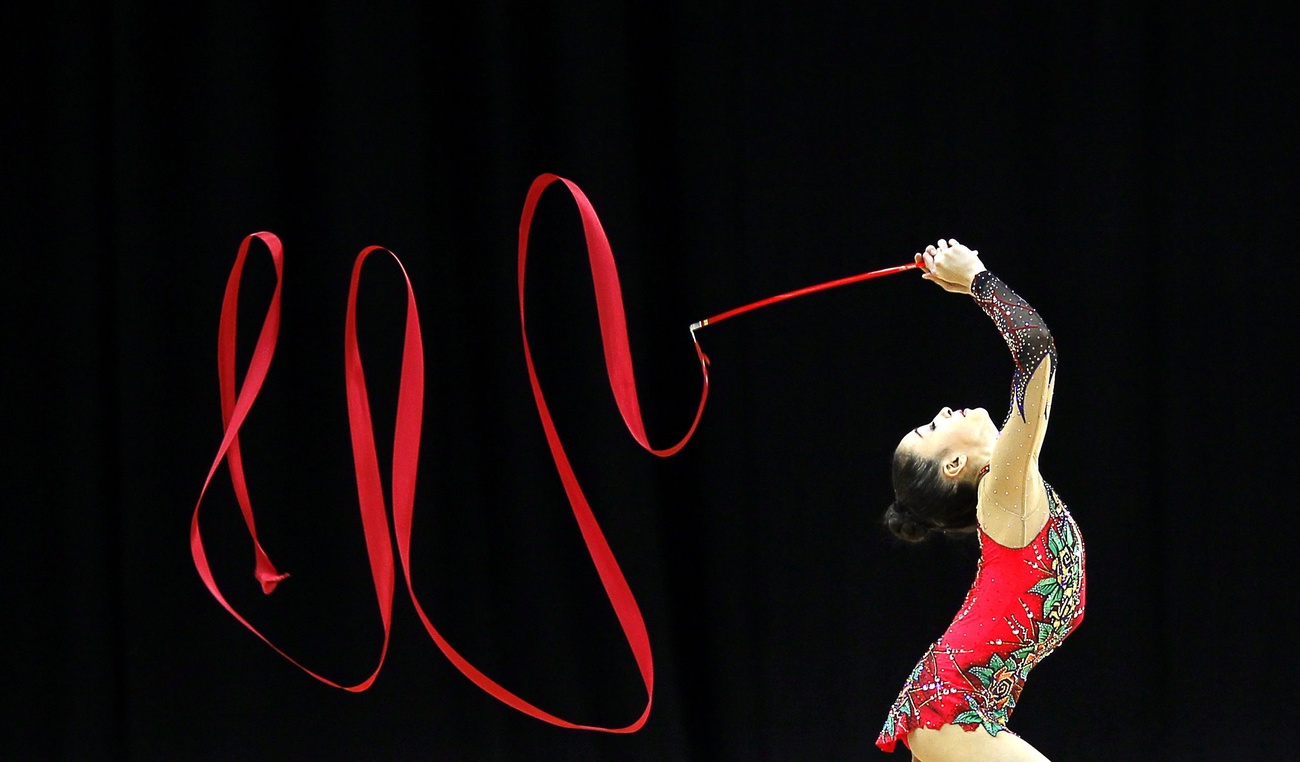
1127, 167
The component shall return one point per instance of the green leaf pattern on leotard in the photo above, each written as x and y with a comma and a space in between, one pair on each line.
904, 704
1000, 679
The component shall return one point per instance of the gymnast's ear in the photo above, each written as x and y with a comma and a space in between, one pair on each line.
954, 465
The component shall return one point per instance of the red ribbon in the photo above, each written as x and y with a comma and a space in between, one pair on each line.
406, 445
235, 407
406, 448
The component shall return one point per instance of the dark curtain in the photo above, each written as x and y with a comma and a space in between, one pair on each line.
1129, 168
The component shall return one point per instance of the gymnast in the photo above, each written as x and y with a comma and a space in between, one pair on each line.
960, 473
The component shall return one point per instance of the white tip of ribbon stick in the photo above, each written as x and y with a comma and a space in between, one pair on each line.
697, 326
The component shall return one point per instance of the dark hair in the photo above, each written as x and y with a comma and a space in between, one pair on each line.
925, 501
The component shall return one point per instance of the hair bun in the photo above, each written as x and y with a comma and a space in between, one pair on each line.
904, 525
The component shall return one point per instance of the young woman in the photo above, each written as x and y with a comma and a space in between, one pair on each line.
959, 472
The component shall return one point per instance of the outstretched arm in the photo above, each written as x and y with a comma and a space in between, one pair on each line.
1012, 498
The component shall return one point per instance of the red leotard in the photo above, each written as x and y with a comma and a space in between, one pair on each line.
1022, 605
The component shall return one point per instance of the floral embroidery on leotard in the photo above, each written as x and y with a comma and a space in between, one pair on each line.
904, 704
1003, 678
973, 675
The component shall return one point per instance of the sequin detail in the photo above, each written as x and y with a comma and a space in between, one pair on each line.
1021, 327
1021, 606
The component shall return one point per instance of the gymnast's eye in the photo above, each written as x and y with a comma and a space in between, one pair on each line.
931, 425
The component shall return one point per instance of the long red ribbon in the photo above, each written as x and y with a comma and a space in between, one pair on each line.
234, 411
406, 445
235, 407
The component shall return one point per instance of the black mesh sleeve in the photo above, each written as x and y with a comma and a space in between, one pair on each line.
1021, 326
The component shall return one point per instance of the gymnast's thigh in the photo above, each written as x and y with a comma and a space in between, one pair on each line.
952, 744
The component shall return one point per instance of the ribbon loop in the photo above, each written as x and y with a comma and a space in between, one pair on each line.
234, 412
406, 446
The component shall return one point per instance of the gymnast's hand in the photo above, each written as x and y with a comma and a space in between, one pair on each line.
950, 265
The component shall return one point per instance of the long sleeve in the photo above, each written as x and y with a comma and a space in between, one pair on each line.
1013, 485
1022, 328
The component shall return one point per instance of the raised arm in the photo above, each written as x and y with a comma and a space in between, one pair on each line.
1013, 502
1012, 499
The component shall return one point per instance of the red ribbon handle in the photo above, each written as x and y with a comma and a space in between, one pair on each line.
801, 292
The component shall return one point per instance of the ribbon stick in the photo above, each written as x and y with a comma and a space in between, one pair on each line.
800, 292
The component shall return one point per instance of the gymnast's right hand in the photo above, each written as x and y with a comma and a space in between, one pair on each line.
951, 265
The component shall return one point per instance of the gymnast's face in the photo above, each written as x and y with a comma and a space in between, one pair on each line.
963, 439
